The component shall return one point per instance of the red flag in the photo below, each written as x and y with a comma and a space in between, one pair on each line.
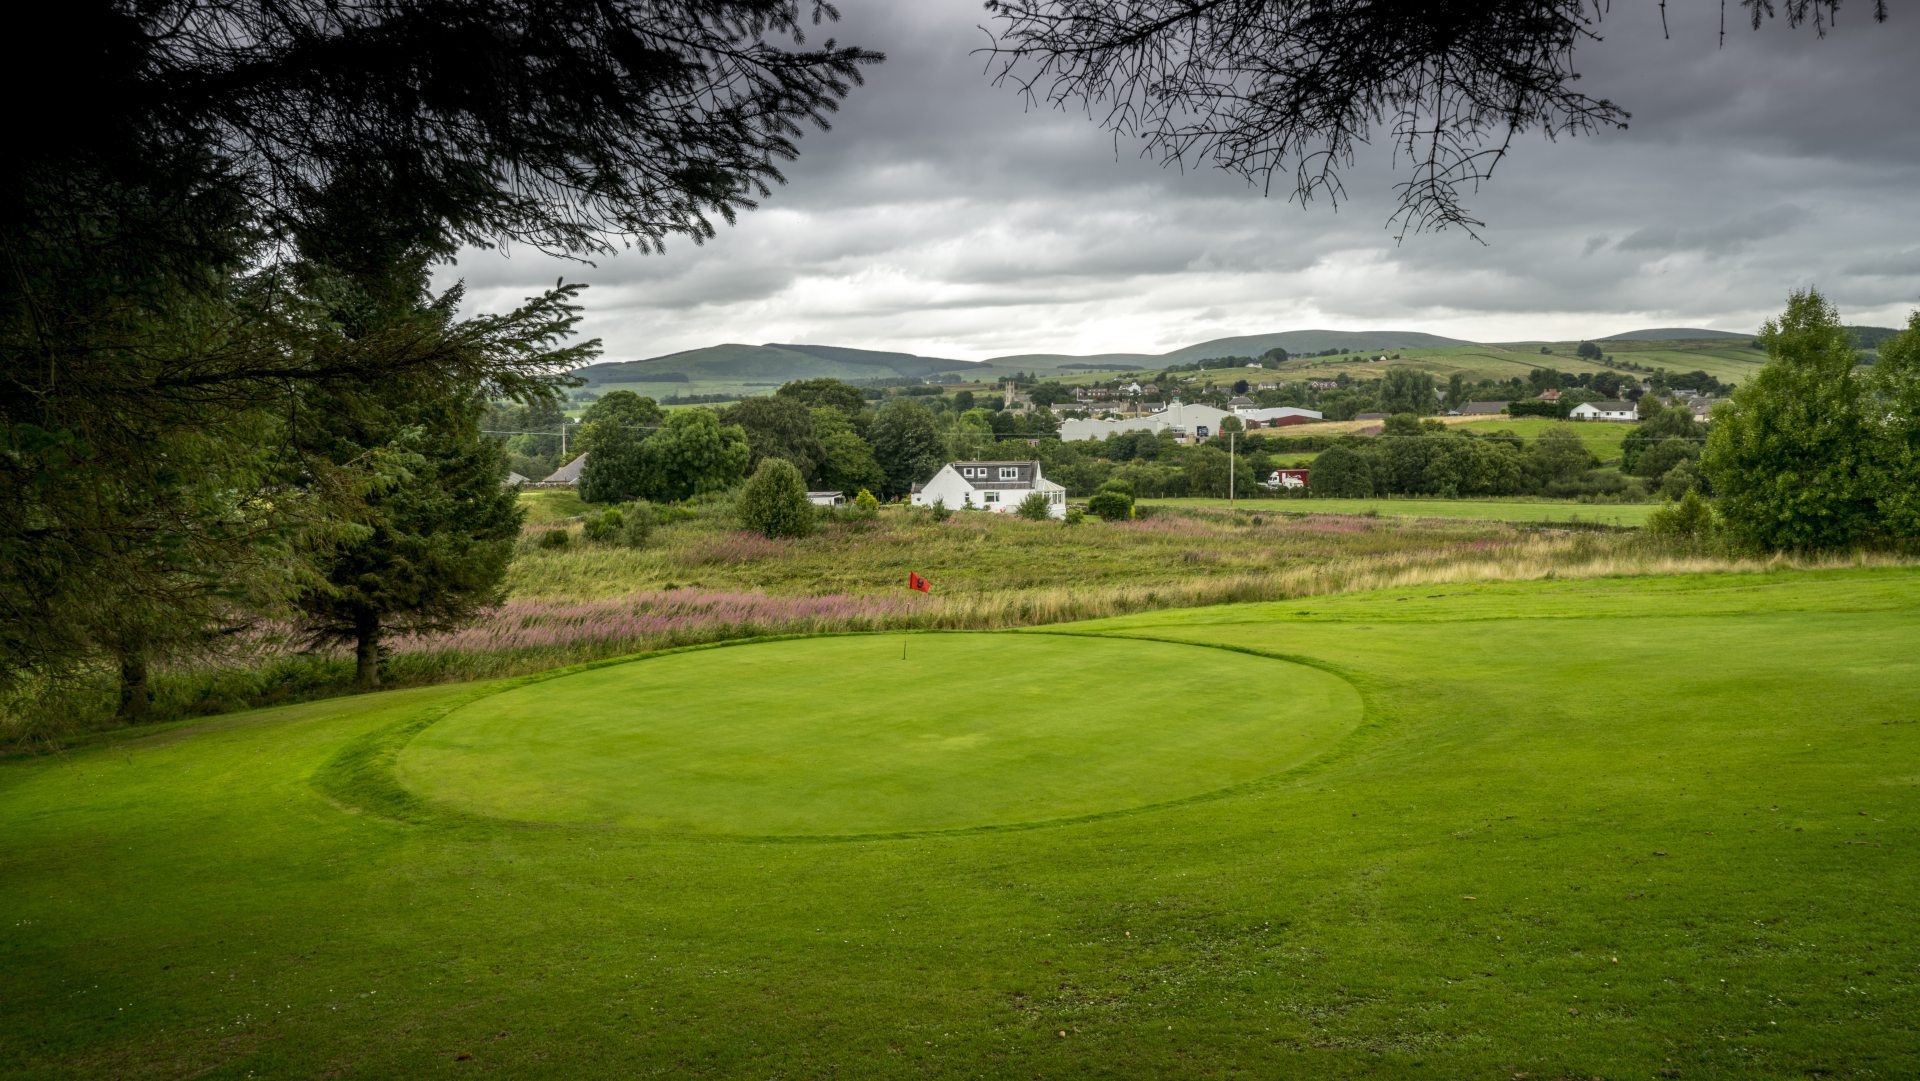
914, 581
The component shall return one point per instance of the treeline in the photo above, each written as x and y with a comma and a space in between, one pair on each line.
230, 401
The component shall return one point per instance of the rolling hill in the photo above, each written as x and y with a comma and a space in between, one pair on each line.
1671, 334
770, 364
1308, 341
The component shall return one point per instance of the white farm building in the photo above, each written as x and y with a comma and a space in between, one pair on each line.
994, 486
1616, 411
1188, 423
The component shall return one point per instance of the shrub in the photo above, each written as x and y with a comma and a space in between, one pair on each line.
1111, 505
1075, 516
939, 510
638, 528
608, 528
774, 501
865, 505
554, 538
1035, 508
1688, 523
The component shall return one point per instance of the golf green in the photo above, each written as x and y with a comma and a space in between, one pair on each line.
878, 734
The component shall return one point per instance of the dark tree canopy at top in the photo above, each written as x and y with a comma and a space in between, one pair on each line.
1259, 87
571, 125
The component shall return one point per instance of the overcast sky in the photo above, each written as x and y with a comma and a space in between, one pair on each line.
940, 217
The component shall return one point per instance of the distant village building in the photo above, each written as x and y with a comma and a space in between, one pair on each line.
568, 475
1188, 423
1550, 394
993, 486
1703, 407
514, 480
826, 499
1615, 411
1482, 409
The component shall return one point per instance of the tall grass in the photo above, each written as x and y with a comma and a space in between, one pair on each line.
705, 581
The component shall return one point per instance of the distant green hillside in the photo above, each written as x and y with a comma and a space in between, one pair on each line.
1671, 334
760, 365
1871, 337
1308, 341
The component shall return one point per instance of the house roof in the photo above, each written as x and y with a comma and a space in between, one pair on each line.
1028, 476
1614, 407
1240, 399
569, 473
1480, 409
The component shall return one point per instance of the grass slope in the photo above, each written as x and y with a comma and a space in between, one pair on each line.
1534, 858
917, 732
1478, 510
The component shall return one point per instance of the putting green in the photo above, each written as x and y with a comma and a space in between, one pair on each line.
841, 736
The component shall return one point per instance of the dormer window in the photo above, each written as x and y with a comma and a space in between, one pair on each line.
1008, 472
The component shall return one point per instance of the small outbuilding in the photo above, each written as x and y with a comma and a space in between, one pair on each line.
826, 499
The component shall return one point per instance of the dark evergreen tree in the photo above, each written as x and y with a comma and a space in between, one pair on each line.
906, 445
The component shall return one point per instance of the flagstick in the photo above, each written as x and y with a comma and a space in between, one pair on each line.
903, 647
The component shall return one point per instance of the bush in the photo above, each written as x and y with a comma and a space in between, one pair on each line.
638, 527
865, 505
939, 510
774, 502
608, 528
1687, 524
1035, 508
1075, 516
1111, 505
554, 538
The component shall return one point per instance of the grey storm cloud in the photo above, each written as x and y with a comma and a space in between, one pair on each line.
941, 215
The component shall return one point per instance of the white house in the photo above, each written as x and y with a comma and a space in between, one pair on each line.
1626, 411
994, 486
826, 499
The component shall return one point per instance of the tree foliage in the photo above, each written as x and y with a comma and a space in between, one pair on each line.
159, 343
1809, 456
1266, 87
692, 454
906, 445
774, 501
778, 427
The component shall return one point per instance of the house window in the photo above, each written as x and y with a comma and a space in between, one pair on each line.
1009, 473
992, 497
969, 471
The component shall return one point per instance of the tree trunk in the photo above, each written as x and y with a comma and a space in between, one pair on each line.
136, 693
366, 651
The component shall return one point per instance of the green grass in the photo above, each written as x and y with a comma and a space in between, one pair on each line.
1621, 828
874, 735
548, 505
1603, 438
1479, 510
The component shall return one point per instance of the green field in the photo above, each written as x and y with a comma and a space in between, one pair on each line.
956, 731
1479, 510
1611, 827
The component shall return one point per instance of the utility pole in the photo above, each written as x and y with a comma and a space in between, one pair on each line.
1230, 469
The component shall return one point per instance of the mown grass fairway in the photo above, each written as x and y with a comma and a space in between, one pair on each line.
1628, 828
877, 734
